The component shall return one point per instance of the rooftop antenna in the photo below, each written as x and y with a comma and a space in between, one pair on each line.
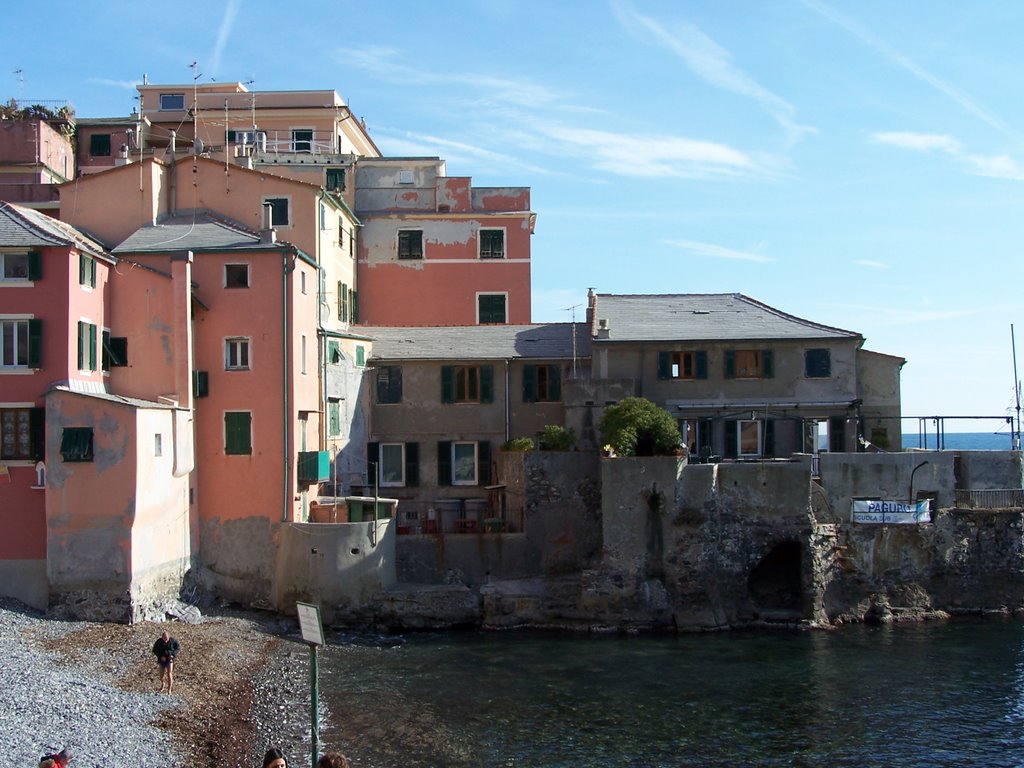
21, 83
572, 309
252, 100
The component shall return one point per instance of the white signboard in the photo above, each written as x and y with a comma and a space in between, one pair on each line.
309, 623
892, 512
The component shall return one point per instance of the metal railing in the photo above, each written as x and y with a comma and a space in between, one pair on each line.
998, 498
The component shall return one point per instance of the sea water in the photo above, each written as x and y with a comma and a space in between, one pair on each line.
962, 441
933, 694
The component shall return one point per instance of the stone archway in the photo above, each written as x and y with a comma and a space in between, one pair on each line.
775, 585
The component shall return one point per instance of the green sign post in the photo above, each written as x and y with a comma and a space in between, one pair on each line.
313, 633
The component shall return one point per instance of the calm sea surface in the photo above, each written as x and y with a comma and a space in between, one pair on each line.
937, 694
966, 441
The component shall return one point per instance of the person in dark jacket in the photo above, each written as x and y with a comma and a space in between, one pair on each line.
165, 649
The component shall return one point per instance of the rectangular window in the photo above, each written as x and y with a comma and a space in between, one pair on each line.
236, 275
237, 433
542, 383
467, 384
14, 266
817, 363
492, 244
86, 271
99, 145
115, 351
748, 437
410, 244
749, 364
464, 463
333, 418
279, 211
172, 101
302, 354
302, 282
22, 433
683, 365
341, 232
236, 354
302, 140
158, 444
405, 177
392, 464
335, 179
76, 444
696, 435
200, 383
86, 346
334, 356
16, 343
389, 384
343, 313
491, 308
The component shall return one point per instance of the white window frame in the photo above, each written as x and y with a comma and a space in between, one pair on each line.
248, 274
165, 97
455, 462
90, 273
491, 293
15, 366
311, 141
234, 346
758, 427
386, 475
504, 243
3, 268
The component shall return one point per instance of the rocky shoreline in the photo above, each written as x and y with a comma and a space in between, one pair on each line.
241, 685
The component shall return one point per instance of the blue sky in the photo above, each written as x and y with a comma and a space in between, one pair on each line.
860, 164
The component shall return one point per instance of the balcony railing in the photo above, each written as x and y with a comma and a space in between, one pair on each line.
999, 498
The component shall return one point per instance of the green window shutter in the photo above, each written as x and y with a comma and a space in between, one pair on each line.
35, 265
730, 364
483, 458
76, 444
200, 384
412, 463
529, 383
92, 347
372, 461
237, 433
769, 364
35, 343
732, 439
486, 383
81, 269
37, 433
444, 462
701, 364
664, 365
554, 383
447, 385
342, 302
81, 345
360, 355
353, 307
105, 351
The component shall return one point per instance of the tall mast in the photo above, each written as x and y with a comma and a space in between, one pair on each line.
1016, 388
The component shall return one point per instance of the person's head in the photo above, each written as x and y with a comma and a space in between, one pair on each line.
62, 758
274, 759
332, 760
165, 636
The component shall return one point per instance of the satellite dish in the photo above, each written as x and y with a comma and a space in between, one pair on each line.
197, 146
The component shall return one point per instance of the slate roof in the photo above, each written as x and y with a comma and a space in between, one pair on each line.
702, 317
550, 341
22, 227
201, 231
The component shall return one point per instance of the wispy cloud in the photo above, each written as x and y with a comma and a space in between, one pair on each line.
992, 166
227, 22
963, 100
901, 315
871, 264
710, 62
128, 85
400, 143
709, 250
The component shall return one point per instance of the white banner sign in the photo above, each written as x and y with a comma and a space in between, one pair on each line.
892, 512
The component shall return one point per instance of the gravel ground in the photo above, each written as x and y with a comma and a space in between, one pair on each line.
240, 685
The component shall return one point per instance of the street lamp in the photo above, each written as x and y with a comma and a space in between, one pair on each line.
910, 491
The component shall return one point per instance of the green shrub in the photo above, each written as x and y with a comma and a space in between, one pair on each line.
556, 438
518, 444
637, 427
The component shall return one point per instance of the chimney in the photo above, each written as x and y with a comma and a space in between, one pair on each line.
268, 235
591, 306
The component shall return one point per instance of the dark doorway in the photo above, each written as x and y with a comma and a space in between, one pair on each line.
775, 585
